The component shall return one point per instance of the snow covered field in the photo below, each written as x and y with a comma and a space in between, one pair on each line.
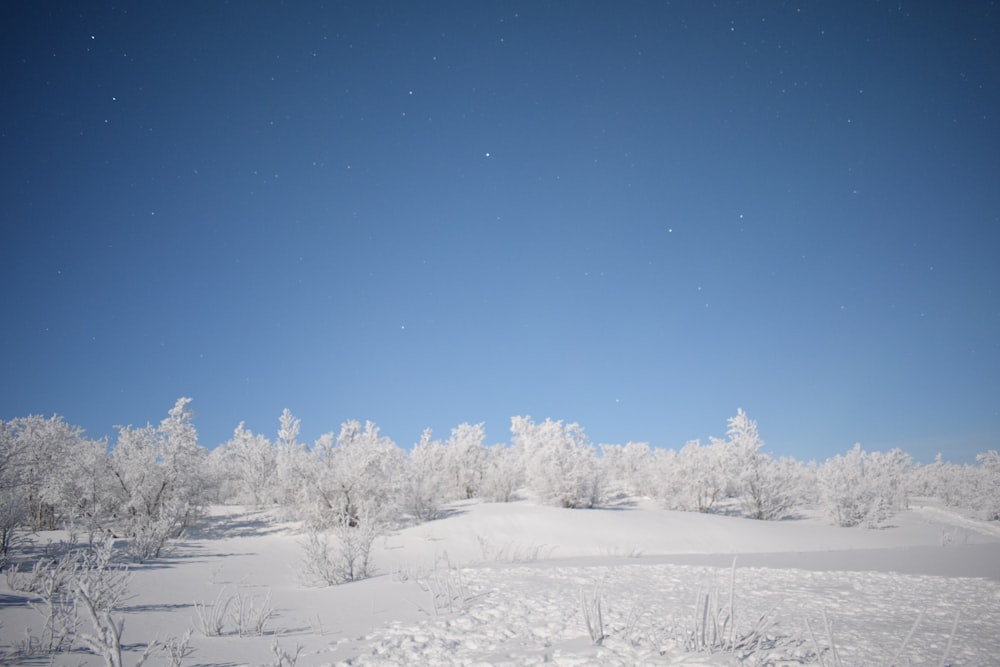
516, 583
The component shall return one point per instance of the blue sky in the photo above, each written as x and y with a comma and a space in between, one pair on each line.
637, 217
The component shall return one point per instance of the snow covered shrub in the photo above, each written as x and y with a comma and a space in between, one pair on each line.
248, 614
560, 465
251, 615
283, 658
863, 488
150, 534
212, 618
347, 558
79, 578
177, 649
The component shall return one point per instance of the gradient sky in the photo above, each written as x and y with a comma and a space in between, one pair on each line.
635, 216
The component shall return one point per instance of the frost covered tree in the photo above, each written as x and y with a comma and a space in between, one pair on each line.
703, 475
424, 485
628, 469
561, 466
82, 487
664, 480
50, 477
13, 507
160, 480
765, 488
357, 475
503, 474
250, 462
976, 487
465, 458
989, 488
862, 488
35, 463
291, 462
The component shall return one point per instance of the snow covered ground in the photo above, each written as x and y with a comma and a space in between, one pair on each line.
512, 584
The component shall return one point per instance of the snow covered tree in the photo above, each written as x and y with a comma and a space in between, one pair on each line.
702, 475
465, 457
291, 461
764, 487
767, 488
13, 506
893, 470
50, 476
989, 489
628, 469
359, 474
250, 460
82, 486
160, 480
424, 483
36, 462
664, 477
502, 475
561, 466
861, 488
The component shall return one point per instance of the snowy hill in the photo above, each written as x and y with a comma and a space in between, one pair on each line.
515, 584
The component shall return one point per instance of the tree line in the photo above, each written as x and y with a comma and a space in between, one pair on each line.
153, 482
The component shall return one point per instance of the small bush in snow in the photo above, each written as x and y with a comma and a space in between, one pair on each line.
177, 649
347, 558
283, 658
250, 616
80, 579
212, 618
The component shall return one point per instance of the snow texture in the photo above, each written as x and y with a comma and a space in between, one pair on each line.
507, 584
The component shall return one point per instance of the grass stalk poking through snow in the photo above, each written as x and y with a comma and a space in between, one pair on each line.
714, 627
592, 616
